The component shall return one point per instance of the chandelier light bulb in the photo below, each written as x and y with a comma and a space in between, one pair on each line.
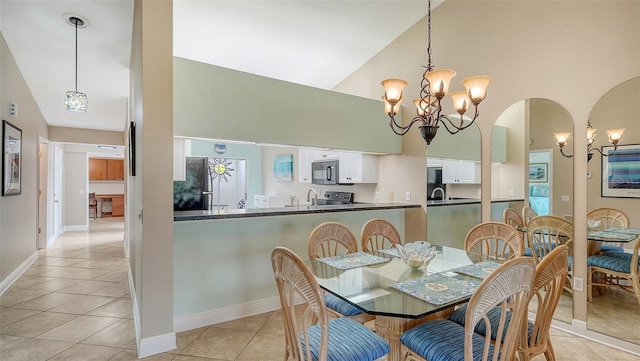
439, 81
615, 135
393, 90
460, 101
561, 138
476, 87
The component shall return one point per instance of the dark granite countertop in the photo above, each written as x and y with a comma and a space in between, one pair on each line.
459, 201
285, 211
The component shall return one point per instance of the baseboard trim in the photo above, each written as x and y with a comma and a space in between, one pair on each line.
190, 322
13, 277
78, 227
52, 240
157, 344
134, 303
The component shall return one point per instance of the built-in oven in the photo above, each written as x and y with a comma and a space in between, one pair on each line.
325, 172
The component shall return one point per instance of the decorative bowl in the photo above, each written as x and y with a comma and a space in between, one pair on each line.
416, 255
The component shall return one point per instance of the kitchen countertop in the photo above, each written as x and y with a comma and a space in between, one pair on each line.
285, 211
458, 201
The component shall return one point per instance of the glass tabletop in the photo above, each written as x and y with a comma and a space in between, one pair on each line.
391, 288
614, 234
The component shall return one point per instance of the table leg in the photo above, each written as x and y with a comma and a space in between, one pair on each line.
391, 328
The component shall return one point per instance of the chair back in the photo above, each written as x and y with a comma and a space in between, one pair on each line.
609, 217
495, 239
527, 214
512, 218
507, 288
331, 239
295, 281
545, 233
378, 234
547, 288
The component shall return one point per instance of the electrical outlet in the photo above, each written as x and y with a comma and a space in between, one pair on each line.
511, 192
564, 198
377, 196
390, 196
407, 196
578, 284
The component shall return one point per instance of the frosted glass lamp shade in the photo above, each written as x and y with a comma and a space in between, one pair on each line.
391, 109
562, 138
460, 101
393, 90
439, 81
476, 87
76, 102
615, 135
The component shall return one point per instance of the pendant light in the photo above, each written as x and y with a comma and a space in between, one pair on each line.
76, 101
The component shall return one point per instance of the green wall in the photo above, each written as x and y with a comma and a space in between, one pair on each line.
215, 102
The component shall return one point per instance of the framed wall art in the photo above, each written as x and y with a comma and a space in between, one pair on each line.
621, 171
538, 172
11, 159
283, 167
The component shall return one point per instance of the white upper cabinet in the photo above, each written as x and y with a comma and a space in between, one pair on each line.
305, 157
325, 154
358, 168
460, 171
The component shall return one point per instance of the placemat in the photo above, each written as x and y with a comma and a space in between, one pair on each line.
438, 288
632, 231
612, 236
352, 260
390, 251
480, 270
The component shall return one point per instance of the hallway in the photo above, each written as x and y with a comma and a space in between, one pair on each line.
74, 303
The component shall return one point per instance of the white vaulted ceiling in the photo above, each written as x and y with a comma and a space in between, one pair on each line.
315, 43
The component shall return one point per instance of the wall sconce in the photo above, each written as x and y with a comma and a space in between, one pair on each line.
614, 137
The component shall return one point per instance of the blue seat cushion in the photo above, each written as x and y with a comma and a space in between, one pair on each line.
610, 263
348, 341
620, 255
610, 248
529, 253
458, 316
341, 306
442, 340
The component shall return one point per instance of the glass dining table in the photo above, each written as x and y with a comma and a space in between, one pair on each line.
381, 284
612, 234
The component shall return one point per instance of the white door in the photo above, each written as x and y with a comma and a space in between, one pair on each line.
43, 156
57, 193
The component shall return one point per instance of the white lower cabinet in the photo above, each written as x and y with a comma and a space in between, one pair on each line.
460, 171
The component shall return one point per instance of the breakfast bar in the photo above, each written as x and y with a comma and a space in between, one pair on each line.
221, 259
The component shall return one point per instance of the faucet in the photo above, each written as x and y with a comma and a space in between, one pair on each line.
438, 189
315, 197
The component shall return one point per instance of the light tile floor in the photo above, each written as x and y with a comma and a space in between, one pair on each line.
73, 303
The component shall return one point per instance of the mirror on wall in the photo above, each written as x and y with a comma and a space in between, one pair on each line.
613, 311
546, 184
453, 177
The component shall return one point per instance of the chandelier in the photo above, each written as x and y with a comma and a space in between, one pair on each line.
76, 101
614, 137
435, 85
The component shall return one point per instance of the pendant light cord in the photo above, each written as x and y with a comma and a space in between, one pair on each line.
75, 21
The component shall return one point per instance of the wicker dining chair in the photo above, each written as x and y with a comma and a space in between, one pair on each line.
544, 233
551, 275
378, 234
512, 218
506, 290
615, 269
315, 336
527, 214
331, 239
609, 217
495, 239
545, 293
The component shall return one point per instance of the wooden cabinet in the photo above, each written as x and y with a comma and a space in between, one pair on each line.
117, 206
460, 171
106, 169
97, 169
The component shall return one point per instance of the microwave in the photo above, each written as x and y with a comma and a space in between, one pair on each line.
325, 172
